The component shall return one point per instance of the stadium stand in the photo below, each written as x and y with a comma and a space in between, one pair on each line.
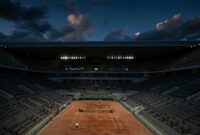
22, 108
158, 88
173, 110
6, 59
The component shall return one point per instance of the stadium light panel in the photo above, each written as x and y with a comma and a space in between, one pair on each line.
120, 57
72, 57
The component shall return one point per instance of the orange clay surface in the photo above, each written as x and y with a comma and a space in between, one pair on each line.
120, 122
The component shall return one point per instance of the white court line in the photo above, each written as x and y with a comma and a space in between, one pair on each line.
113, 119
79, 120
122, 127
96, 115
75, 115
74, 118
118, 121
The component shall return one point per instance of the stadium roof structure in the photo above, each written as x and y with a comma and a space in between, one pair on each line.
139, 49
99, 43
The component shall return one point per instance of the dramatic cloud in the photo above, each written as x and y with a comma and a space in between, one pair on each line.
173, 29
31, 24
80, 22
78, 29
13, 11
81, 27
29, 21
169, 24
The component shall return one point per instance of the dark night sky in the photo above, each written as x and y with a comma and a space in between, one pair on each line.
99, 20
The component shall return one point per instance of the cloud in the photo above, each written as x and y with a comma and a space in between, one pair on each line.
169, 24
193, 37
137, 34
78, 29
31, 24
24, 35
81, 27
191, 27
173, 29
118, 35
21, 36
36, 26
3, 36
74, 19
12, 10
31, 20
79, 21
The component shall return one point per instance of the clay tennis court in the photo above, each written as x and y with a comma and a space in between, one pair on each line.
95, 120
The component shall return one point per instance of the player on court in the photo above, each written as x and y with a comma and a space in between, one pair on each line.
77, 124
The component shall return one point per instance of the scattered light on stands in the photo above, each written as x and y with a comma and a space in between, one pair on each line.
96, 69
191, 46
